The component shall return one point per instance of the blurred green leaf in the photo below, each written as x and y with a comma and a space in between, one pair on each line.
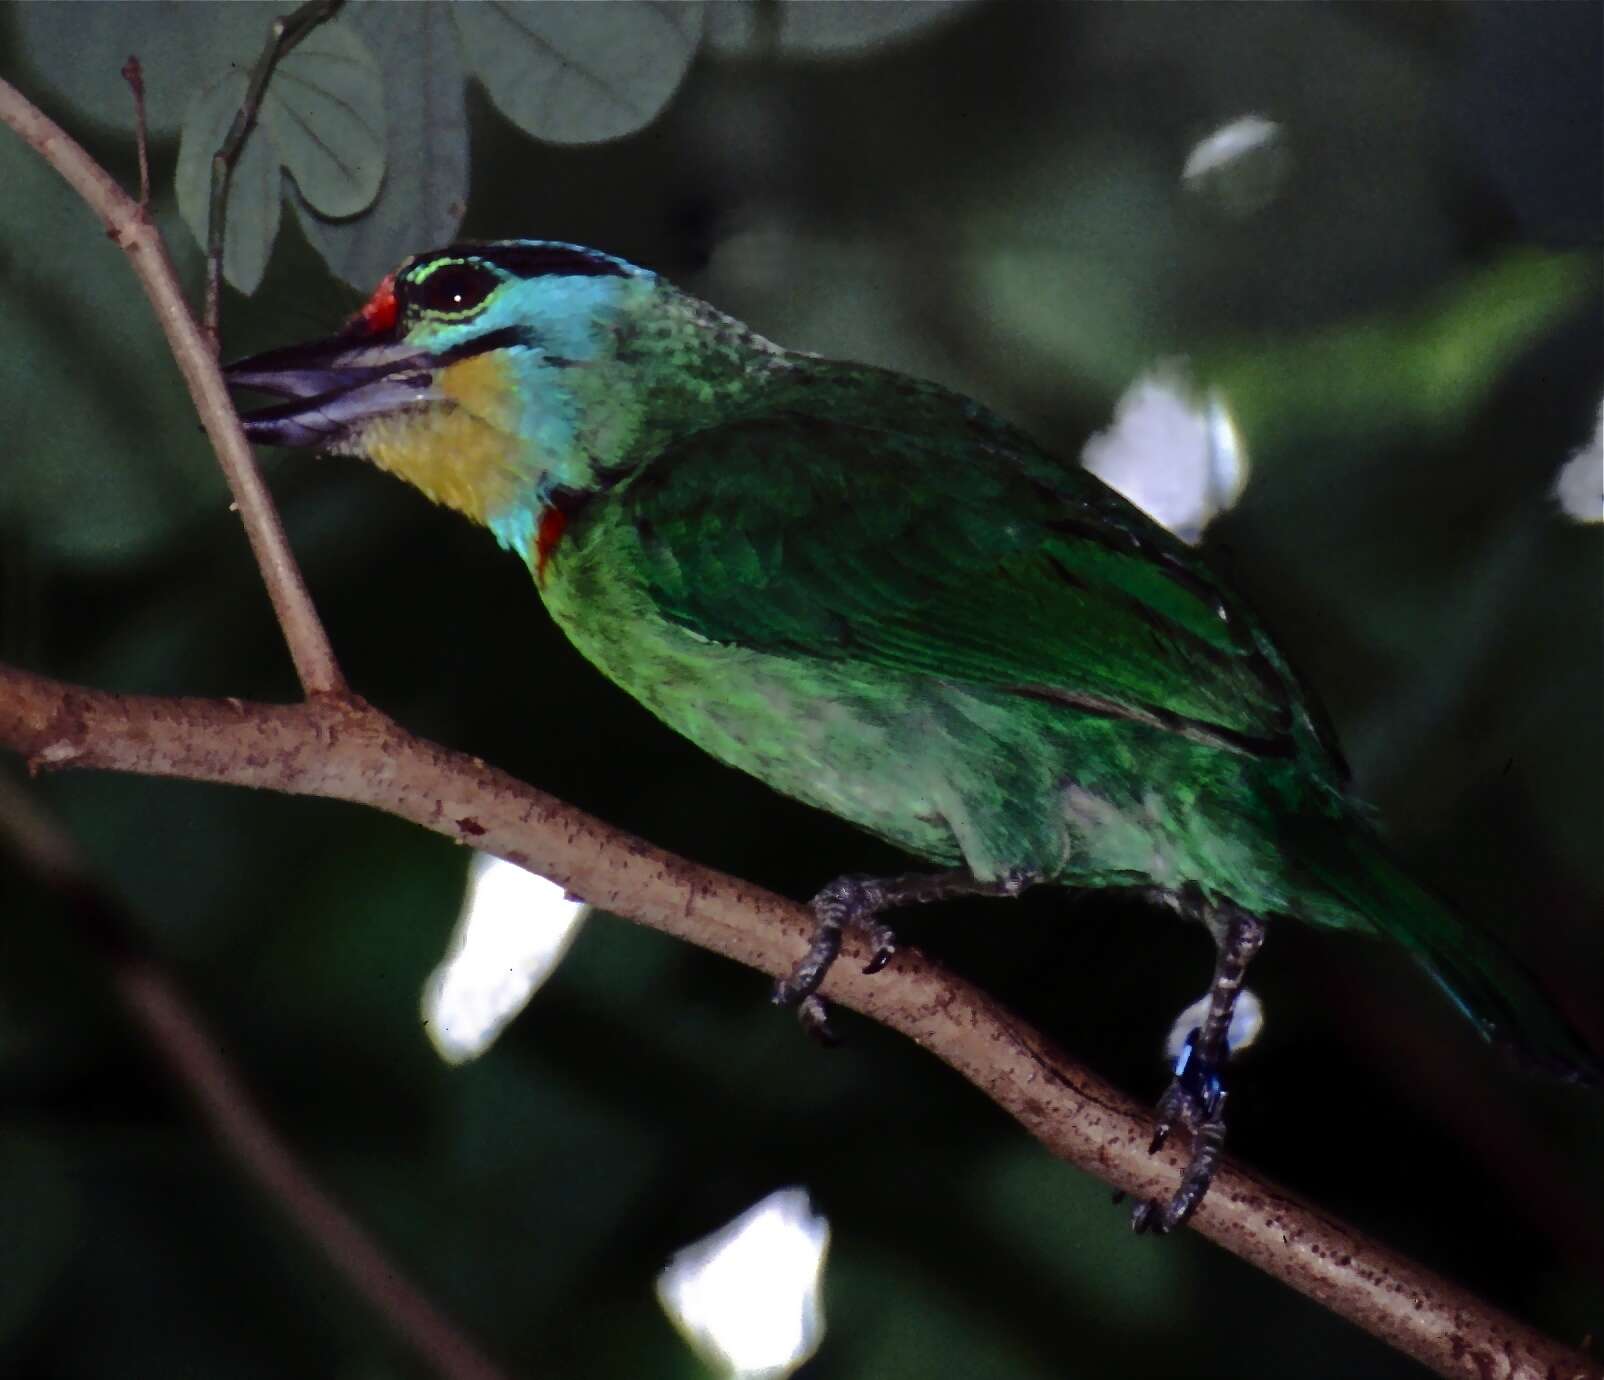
1026, 1195
103, 457
181, 46
883, 1326
1428, 366
577, 74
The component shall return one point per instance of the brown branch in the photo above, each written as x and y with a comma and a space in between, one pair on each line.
137, 236
156, 1004
134, 75
340, 748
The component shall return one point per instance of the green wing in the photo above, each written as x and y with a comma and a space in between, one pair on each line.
966, 561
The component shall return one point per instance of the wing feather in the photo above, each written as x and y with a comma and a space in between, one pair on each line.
807, 537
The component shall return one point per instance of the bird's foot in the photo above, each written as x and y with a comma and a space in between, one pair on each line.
1194, 1101
854, 903
848, 903
1195, 1098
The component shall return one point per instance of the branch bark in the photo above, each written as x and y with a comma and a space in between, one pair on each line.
340, 748
336, 746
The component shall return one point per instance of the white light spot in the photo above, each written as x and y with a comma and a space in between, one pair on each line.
513, 931
1229, 142
1241, 166
1247, 1020
1180, 461
747, 1297
1579, 488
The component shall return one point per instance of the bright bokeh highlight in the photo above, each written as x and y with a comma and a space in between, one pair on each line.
1247, 1020
1241, 166
513, 931
747, 1298
1579, 488
1176, 456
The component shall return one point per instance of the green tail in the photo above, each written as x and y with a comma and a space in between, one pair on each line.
1492, 987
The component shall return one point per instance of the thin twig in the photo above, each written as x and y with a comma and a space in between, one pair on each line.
134, 75
157, 1005
287, 31
136, 234
341, 748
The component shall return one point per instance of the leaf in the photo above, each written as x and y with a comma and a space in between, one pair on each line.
324, 109
253, 202
323, 115
1430, 369
425, 188
80, 49
1052, 261
322, 118
580, 73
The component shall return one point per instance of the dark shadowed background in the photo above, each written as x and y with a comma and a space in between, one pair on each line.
1407, 325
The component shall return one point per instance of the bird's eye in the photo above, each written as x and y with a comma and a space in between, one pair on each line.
452, 289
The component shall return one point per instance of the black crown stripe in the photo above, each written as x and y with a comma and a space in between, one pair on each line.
539, 258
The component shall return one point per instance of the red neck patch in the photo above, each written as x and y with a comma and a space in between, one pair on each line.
550, 532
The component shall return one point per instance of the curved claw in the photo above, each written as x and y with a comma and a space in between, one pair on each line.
1142, 1216
885, 945
815, 1018
1195, 1100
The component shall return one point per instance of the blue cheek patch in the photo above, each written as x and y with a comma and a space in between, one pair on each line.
515, 528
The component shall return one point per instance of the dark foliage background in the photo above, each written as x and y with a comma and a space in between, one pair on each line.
995, 202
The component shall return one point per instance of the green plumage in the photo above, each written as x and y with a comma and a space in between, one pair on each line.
881, 599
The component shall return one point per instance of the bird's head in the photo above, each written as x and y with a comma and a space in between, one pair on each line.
498, 377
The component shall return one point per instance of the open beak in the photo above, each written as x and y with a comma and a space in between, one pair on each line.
334, 386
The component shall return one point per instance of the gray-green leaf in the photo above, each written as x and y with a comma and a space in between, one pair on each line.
324, 110
253, 202
580, 73
322, 118
425, 189
80, 49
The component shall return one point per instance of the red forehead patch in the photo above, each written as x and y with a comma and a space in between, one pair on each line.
378, 313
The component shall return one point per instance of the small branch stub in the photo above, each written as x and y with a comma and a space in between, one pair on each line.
134, 75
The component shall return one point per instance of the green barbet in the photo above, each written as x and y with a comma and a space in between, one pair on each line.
880, 598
